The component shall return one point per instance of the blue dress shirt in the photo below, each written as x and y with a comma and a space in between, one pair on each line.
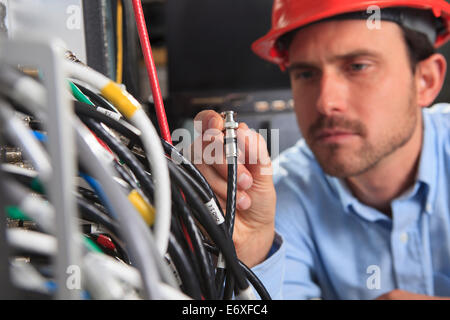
331, 246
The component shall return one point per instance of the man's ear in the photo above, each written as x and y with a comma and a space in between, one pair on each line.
430, 76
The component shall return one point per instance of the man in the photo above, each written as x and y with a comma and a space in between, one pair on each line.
361, 208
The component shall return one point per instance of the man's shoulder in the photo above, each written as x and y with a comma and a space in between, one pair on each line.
440, 115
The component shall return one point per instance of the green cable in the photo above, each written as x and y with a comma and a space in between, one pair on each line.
15, 213
80, 96
37, 186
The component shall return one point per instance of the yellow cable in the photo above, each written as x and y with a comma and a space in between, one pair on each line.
119, 41
146, 210
123, 101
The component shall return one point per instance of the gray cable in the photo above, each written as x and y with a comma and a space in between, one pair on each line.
135, 232
16, 131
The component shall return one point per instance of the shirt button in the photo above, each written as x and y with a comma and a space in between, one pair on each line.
404, 237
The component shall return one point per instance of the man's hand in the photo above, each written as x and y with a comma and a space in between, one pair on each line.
255, 212
398, 294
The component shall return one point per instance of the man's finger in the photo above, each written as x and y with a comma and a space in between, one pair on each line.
219, 186
213, 155
208, 119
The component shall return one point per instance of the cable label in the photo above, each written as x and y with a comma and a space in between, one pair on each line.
174, 269
215, 212
109, 113
221, 261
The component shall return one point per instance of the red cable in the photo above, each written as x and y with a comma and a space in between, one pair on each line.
151, 70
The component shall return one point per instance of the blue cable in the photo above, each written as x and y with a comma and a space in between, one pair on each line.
40, 136
52, 287
95, 185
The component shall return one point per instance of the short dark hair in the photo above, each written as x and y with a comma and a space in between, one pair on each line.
419, 46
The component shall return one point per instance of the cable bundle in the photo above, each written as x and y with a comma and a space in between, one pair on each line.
152, 227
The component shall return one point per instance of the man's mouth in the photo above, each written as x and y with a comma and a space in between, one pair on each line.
334, 135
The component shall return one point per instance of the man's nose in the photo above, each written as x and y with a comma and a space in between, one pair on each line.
332, 94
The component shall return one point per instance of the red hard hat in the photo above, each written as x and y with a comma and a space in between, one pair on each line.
288, 15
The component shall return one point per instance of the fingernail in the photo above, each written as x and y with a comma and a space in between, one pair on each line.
243, 203
212, 123
245, 181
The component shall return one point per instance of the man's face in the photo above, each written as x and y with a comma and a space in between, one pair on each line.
354, 93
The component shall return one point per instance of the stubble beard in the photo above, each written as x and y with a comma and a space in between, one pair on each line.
334, 162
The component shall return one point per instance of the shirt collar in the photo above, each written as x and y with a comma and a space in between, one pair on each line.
427, 173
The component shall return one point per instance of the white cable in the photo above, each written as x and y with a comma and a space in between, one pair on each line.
160, 174
86, 74
27, 91
25, 276
14, 169
169, 293
101, 283
120, 270
32, 241
34, 207
246, 294
22, 136
40, 211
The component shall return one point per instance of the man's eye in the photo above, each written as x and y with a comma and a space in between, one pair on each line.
358, 66
303, 75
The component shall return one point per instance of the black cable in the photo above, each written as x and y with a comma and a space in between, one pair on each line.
229, 285
231, 153
220, 239
219, 280
125, 175
121, 126
188, 277
229, 220
204, 261
124, 155
91, 213
197, 187
96, 98
198, 181
191, 169
131, 52
252, 278
256, 282
89, 195
231, 195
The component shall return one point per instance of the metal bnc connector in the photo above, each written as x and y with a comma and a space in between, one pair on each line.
69, 55
230, 135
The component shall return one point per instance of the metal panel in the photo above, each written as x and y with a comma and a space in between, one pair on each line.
52, 18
